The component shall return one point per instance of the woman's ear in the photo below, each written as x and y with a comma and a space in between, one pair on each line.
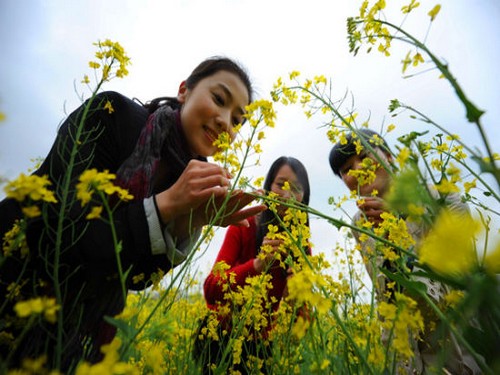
182, 93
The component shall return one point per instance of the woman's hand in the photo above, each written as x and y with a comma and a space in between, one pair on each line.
199, 182
223, 211
199, 194
262, 264
373, 207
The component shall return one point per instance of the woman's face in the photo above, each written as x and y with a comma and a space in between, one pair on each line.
215, 105
296, 190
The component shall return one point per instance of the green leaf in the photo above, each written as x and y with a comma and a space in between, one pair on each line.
128, 330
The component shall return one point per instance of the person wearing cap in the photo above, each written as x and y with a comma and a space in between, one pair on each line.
366, 148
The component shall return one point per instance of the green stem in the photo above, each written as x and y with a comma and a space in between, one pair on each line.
473, 114
480, 360
116, 245
67, 180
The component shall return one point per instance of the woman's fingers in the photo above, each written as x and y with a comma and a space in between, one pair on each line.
233, 212
198, 183
240, 217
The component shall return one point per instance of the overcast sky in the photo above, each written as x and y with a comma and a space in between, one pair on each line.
46, 45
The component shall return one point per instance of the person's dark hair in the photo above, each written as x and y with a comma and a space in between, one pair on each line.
341, 152
268, 217
205, 69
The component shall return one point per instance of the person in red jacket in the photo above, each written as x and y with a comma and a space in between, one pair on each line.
286, 180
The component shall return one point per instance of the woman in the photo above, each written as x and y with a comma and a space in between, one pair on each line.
287, 181
158, 152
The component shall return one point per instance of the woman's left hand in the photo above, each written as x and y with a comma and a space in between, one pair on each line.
223, 211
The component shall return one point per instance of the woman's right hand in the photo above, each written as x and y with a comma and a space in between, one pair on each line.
263, 263
195, 198
199, 182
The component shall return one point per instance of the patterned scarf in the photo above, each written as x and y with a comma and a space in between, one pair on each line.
161, 138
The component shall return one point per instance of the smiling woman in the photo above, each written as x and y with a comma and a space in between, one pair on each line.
216, 105
146, 165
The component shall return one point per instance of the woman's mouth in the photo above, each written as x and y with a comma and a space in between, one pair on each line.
211, 135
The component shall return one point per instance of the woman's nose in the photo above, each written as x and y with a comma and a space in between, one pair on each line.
286, 194
223, 121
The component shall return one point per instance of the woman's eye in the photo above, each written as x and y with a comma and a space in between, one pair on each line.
218, 99
236, 121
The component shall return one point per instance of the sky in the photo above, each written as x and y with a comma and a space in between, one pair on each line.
46, 46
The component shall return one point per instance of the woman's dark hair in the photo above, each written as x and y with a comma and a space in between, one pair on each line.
341, 152
268, 216
205, 69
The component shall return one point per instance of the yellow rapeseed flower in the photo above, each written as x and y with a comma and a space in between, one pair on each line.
408, 8
453, 298
448, 248
446, 186
300, 327
91, 180
31, 211
258, 182
417, 59
366, 174
94, 65
38, 305
32, 187
470, 185
95, 213
109, 107
403, 156
434, 12
15, 239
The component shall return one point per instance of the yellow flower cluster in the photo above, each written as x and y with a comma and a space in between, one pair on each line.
452, 230
411, 60
404, 320
38, 305
371, 27
309, 93
31, 187
396, 231
28, 190
227, 153
108, 54
261, 110
15, 239
34, 366
408, 8
366, 174
235, 156
91, 181
110, 364
306, 287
